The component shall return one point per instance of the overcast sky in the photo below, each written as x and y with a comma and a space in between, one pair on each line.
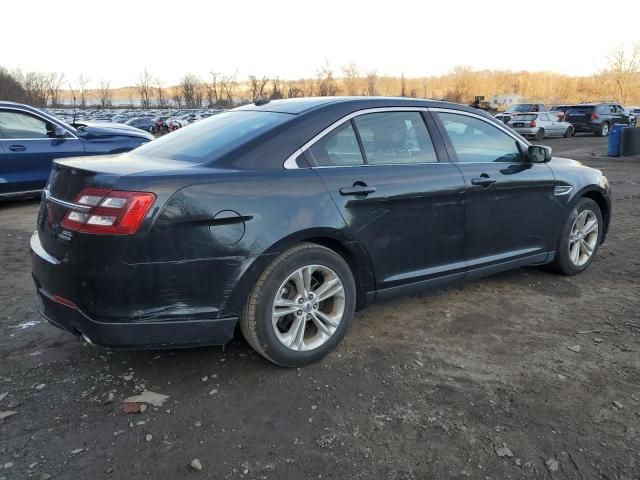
115, 40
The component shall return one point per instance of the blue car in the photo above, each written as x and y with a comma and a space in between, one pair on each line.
30, 140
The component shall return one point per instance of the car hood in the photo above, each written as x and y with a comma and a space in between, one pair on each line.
91, 130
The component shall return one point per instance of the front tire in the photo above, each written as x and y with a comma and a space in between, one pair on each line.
604, 129
580, 238
301, 306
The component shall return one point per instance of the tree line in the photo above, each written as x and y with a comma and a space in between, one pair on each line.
618, 81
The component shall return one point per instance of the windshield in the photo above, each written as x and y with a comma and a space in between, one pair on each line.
210, 138
520, 107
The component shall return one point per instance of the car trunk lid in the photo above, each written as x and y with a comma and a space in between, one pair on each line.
69, 177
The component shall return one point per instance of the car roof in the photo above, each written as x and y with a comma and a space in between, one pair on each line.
298, 106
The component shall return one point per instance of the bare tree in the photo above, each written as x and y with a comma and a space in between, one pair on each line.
54, 84
257, 86
177, 98
82, 85
403, 86
10, 87
624, 71
228, 86
351, 76
215, 90
276, 89
162, 101
327, 85
307, 87
190, 89
372, 83
145, 88
106, 94
293, 90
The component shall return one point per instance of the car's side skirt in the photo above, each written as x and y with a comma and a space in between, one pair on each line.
445, 280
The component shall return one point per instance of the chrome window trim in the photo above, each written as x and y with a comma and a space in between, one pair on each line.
50, 120
290, 162
63, 203
479, 117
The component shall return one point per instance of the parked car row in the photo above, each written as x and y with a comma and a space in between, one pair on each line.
534, 120
156, 121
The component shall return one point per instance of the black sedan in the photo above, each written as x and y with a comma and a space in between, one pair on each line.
286, 216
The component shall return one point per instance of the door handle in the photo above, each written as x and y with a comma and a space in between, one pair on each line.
483, 180
17, 148
358, 189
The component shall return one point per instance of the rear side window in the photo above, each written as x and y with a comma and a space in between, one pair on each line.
478, 141
208, 139
395, 137
337, 148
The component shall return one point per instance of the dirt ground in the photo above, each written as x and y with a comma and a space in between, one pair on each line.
475, 381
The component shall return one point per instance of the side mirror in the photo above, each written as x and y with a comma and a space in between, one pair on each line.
539, 153
59, 132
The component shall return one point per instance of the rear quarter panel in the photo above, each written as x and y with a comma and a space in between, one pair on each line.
221, 233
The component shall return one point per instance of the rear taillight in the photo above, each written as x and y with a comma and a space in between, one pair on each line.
533, 124
111, 212
594, 116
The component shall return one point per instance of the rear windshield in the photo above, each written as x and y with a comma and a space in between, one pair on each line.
210, 138
581, 110
525, 117
520, 107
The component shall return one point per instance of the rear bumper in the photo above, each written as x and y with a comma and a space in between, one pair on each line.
180, 330
526, 131
173, 334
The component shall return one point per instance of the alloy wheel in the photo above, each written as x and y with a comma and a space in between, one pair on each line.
308, 307
583, 237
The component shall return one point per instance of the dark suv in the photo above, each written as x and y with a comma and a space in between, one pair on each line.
596, 117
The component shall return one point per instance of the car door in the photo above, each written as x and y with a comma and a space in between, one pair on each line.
509, 201
404, 205
29, 148
550, 124
623, 114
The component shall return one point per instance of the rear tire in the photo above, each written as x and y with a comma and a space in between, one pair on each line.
539, 134
293, 324
575, 250
569, 132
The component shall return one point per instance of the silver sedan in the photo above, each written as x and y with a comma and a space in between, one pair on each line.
540, 125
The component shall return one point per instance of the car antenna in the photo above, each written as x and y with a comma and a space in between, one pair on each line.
75, 110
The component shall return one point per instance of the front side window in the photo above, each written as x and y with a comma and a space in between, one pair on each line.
476, 140
395, 137
337, 148
21, 126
